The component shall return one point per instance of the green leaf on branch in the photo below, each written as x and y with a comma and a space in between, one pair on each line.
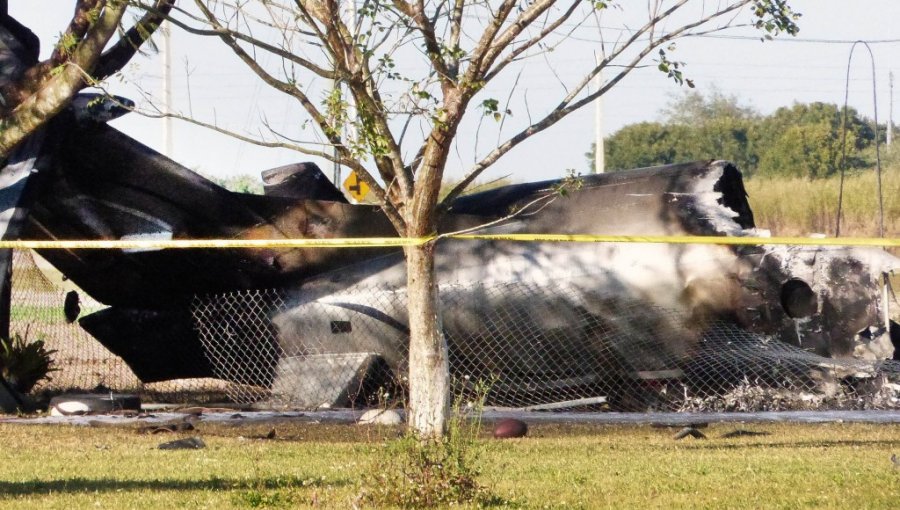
490, 105
571, 182
600, 5
672, 68
67, 43
491, 108
776, 17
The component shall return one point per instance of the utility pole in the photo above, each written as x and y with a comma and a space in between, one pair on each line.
348, 15
336, 167
167, 88
599, 148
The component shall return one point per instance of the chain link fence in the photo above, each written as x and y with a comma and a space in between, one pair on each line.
530, 346
37, 311
533, 346
240, 340
81, 363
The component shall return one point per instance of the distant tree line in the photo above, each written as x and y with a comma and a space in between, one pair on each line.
240, 183
803, 140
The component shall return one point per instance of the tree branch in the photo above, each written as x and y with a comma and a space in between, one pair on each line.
567, 106
524, 20
339, 42
287, 88
221, 31
373, 130
56, 89
455, 33
85, 10
474, 71
115, 58
499, 66
432, 48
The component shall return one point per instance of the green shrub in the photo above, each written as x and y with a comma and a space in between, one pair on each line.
411, 472
24, 363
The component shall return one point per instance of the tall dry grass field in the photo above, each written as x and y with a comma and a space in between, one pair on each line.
796, 206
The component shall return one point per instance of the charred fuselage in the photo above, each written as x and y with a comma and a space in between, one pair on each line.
105, 185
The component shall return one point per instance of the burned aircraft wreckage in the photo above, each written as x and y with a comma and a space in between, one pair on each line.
543, 321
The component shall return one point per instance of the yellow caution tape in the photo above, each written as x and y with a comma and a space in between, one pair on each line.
719, 240
157, 244
393, 242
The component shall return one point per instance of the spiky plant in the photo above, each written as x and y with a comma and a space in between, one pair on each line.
24, 363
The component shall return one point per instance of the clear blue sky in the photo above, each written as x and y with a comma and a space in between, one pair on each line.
765, 76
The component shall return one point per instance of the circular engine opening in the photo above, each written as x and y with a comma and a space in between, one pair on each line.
798, 299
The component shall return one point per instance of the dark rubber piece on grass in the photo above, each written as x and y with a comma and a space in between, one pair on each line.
188, 443
510, 428
689, 431
743, 433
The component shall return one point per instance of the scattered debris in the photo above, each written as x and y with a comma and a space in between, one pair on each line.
271, 435
664, 425
380, 417
510, 428
188, 443
743, 433
168, 427
130, 413
878, 392
88, 403
566, 404
197, 411
71, 306
689, 431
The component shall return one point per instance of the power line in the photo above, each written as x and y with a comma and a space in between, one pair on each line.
583, 26
796, 39
755, 39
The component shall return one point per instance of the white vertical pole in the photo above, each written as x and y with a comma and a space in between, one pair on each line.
599, 148
348, 15
336, 167
167, 88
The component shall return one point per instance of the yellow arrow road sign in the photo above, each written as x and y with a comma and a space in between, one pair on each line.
356, 187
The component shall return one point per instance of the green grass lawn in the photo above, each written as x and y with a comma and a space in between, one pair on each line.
30, 314
573, 466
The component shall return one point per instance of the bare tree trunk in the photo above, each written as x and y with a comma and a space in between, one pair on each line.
429, 379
